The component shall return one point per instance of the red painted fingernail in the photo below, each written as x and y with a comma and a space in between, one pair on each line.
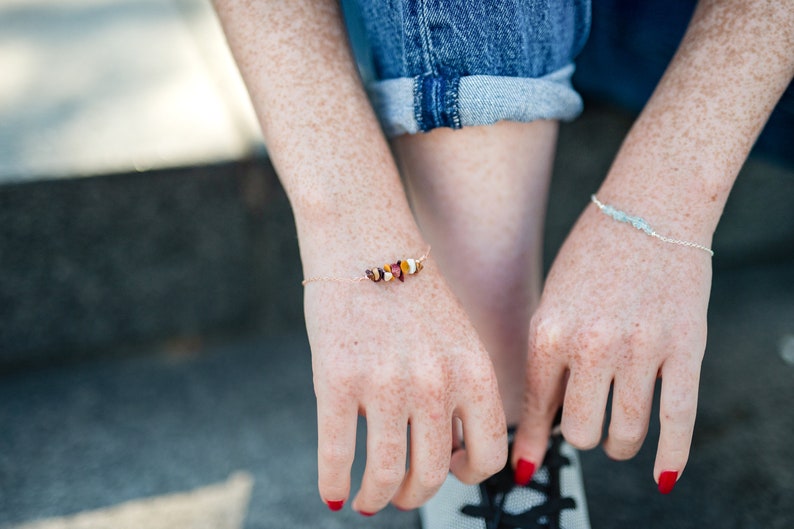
335, 505
667, 481
362, 513
524, 471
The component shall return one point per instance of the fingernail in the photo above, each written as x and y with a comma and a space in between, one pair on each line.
335, 505
524, 471
363, 513
667, 481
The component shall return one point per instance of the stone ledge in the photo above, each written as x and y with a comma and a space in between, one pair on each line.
135, 257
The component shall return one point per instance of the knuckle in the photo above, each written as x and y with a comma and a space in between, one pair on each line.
384, 379
335, 455
687, 327
387, 477
633, 437
620, 452
338, 385
595, 338
480, 470
639, 340
491, 463
628, 437
579, 438
680, 410
432, 480
544, 334
475, 475
583, 442
430, 382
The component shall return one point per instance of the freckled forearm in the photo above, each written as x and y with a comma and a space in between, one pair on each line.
321, 132
682, 156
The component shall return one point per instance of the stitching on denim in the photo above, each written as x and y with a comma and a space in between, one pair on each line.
424, 32
418, 80
436, 103
436, 92
451, 99
420, 84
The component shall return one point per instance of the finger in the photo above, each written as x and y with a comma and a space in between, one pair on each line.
431, 441
544, 395
632, 400
336, 445
583, 409
484, 438
386, 453
677, 411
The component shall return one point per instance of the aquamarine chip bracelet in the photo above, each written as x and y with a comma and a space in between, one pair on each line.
642, 225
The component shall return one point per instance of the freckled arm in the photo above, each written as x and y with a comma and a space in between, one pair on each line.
405, 353
321, 133
679, 162
620, 308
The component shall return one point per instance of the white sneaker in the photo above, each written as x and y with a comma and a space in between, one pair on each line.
554, 499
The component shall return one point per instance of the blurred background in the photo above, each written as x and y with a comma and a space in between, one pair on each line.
154, 369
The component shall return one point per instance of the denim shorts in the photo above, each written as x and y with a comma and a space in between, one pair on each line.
457, 63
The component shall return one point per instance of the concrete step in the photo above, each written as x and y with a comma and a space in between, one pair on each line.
137, 257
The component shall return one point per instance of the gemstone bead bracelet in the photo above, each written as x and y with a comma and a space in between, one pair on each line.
390, 272
406, 267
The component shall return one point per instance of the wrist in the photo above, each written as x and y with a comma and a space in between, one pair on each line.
344, 238
683, 202
642, 225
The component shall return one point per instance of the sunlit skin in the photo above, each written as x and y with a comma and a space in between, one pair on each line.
618, 308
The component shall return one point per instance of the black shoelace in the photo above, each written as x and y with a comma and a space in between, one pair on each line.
495, 490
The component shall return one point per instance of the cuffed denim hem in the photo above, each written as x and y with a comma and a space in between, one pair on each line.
420, 104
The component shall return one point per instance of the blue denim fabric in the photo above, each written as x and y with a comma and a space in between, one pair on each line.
440, 63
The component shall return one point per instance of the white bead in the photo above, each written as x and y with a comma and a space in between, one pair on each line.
387, 276
411, 266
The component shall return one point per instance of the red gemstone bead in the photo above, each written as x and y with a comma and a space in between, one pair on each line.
397, 272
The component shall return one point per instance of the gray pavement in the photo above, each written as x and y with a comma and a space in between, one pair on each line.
94, 434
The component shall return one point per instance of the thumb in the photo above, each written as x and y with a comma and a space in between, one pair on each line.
542, 403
